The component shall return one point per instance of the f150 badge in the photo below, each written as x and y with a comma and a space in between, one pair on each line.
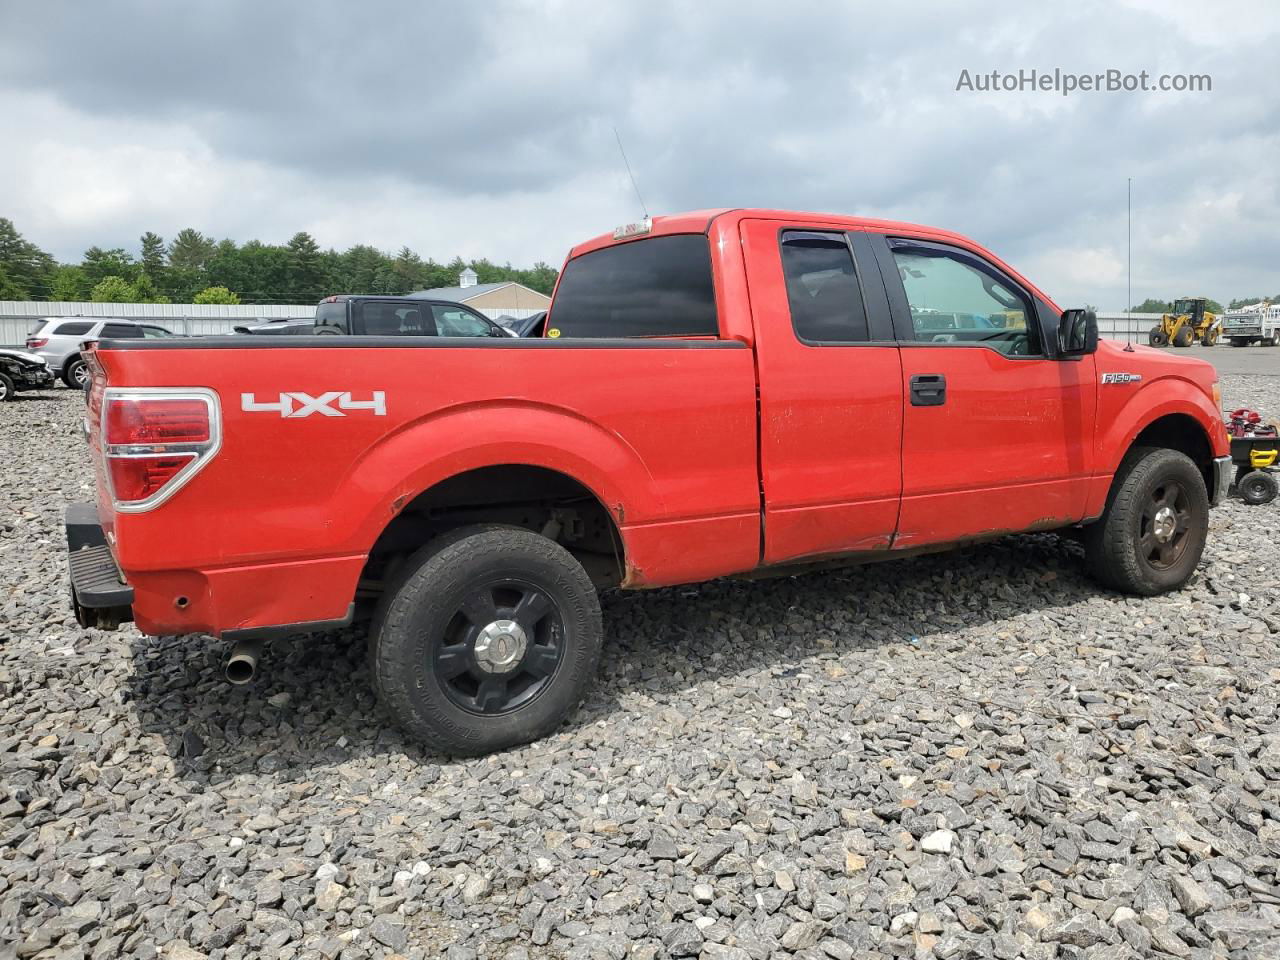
332, 404
1121, 377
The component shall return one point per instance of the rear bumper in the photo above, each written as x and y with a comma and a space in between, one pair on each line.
100, 596
1223, 473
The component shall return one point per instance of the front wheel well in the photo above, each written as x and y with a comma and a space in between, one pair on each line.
533, 498
1184, 433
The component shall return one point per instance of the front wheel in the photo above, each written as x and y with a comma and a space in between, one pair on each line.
75, 374
1184, 337
490, 640
1270, 341
1157, 337
1150, 536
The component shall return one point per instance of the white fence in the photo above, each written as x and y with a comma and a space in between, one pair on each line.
18, 317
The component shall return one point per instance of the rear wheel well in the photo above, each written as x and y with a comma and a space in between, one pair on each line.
534, 498
1181, 432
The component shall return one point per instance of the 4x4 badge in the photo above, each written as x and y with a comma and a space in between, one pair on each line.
307, 404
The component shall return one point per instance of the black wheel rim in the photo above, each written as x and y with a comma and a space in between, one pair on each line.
501, 648
1165, 528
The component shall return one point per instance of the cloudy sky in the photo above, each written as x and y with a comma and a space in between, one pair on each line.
486, 129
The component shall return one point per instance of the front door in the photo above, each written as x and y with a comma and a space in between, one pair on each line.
830, 391
997, 434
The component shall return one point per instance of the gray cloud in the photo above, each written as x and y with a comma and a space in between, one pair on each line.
487, 128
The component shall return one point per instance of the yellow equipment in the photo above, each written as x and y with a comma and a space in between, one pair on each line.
1189, 321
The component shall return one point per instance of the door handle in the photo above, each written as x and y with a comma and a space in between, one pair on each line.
928, 390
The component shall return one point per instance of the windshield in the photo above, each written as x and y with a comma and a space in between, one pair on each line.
1184, 306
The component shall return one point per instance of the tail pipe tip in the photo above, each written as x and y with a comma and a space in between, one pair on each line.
242, 663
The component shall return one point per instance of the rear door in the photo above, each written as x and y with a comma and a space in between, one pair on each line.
830, 382
997, 433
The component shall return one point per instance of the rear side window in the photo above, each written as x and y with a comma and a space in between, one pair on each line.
332, 315
74, 328
120, 331
659, 287
822, 288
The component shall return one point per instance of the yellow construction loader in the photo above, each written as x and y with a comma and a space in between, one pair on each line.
1188, 322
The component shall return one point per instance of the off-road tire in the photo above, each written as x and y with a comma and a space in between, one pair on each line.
1208, 339
1257, 487
69, 372
1112, 553
1157, 338
7, 390
1184, 337
411, 623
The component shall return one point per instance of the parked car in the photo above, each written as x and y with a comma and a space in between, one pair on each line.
20, 370
292, 326
735, 393
58, 340
525, 326
372, 316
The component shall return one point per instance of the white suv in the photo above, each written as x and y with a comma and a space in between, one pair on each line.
58, 340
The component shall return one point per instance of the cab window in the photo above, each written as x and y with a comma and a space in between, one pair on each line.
956, 299
657, 287
452, 321
822, 288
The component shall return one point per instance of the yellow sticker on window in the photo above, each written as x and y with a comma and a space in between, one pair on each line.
553, 332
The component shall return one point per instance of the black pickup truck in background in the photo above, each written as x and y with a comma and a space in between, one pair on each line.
372, 316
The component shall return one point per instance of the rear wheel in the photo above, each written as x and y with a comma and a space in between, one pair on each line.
1150, 536
75, 374
490, 640
1184, 337
1269, 341
1157, 337
1209, 338
1257, 487
7, 391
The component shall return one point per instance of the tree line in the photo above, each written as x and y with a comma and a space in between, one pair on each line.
194, 268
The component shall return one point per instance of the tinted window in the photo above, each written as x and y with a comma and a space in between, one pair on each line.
822, 288
954, 298
155, 332
120, 331
76, 328
659, 287
332, 314
460, 322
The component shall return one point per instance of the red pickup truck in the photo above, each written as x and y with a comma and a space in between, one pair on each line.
716, 393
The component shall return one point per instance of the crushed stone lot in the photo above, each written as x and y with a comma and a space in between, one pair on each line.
977, 755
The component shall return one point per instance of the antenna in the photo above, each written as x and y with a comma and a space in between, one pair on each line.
1128, 308
625, 163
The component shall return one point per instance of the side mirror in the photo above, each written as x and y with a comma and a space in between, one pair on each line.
1077, 333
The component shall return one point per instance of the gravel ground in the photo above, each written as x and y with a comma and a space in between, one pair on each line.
973, 755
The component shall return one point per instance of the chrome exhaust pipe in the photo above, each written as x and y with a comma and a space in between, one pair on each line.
242, 664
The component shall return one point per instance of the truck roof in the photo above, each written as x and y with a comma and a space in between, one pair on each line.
699, 221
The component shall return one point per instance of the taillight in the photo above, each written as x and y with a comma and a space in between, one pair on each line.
35, 343
154, 440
